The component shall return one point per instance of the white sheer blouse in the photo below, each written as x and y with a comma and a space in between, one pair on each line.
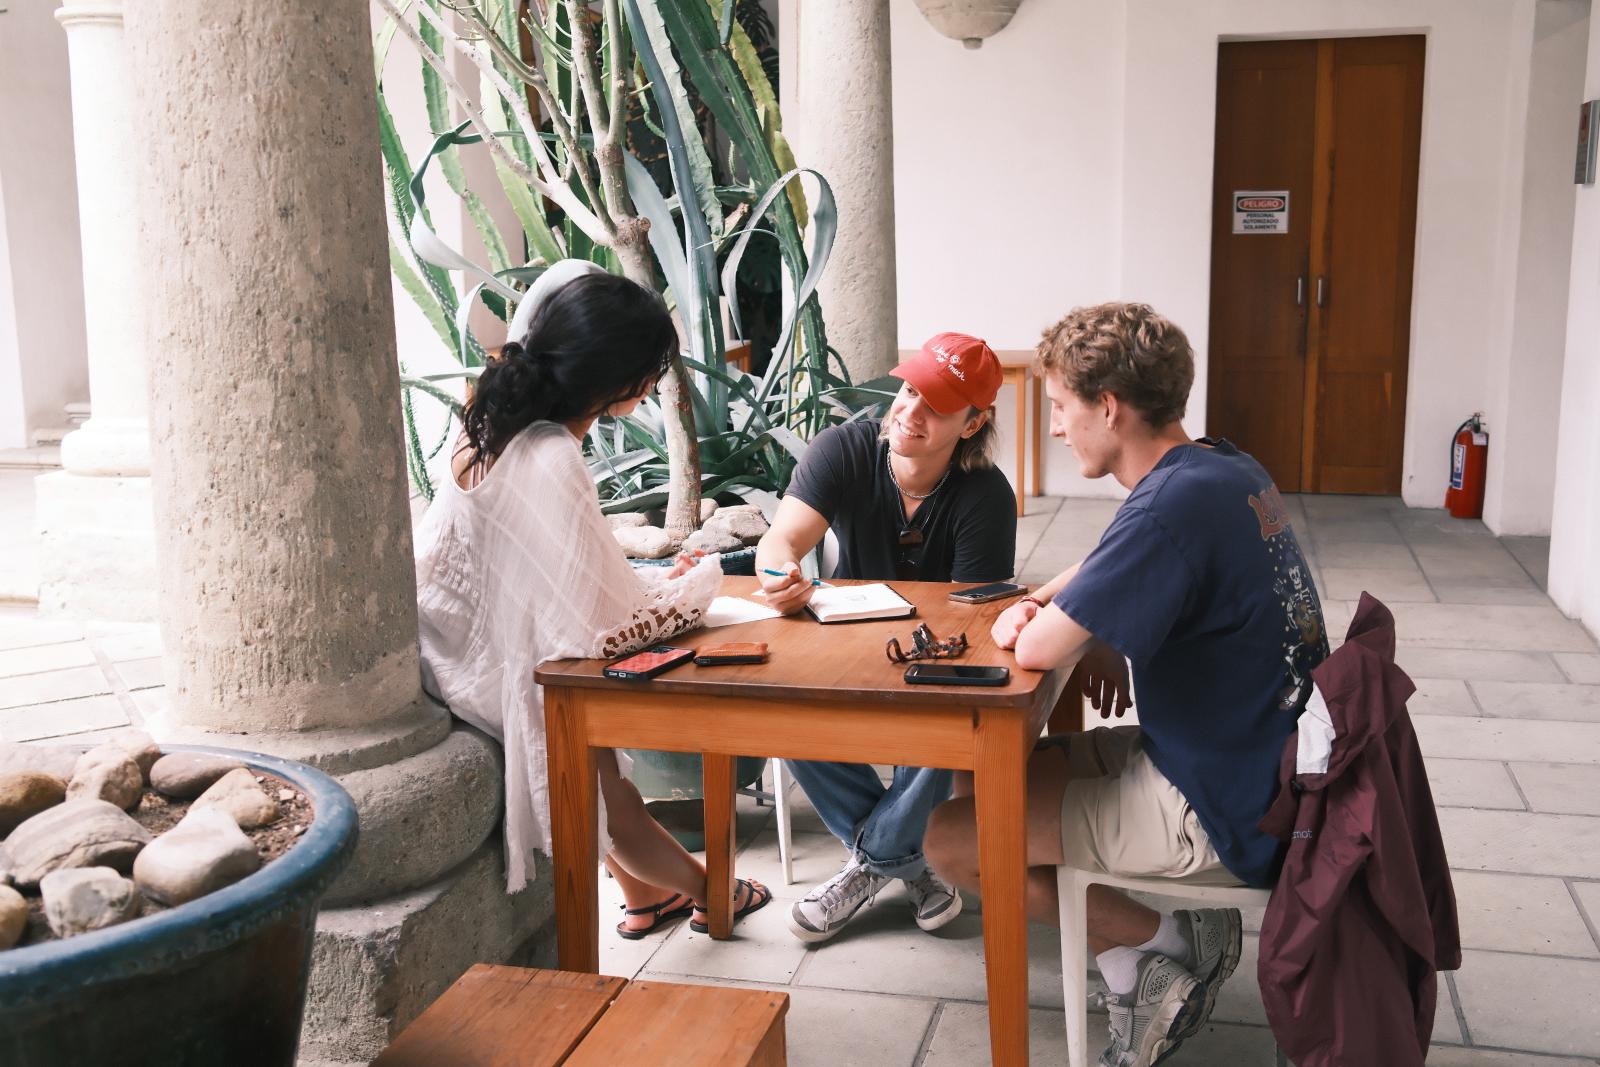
523, 568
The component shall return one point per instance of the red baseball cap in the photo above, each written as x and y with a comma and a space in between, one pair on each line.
954, 371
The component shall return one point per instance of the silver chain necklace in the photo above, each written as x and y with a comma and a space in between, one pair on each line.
888, 459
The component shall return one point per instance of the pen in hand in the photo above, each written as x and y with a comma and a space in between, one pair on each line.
785, 574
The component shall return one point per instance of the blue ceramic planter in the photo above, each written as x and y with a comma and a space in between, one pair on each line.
741, 561
219, 980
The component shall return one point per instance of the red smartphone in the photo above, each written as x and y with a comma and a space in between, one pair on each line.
649, 663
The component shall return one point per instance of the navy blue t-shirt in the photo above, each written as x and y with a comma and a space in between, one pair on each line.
1200, 583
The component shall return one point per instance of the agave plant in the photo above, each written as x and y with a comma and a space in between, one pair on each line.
558, 83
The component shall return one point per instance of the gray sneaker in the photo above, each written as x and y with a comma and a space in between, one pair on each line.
827, 908
934, 900
1148, 1024
1214, 937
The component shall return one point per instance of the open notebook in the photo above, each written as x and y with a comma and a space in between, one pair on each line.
855, 603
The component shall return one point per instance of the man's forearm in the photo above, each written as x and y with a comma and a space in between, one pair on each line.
775, 551
1047, 592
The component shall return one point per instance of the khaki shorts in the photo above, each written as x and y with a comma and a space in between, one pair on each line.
1121, 816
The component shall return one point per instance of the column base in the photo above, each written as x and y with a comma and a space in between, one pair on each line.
376, 966
97, 546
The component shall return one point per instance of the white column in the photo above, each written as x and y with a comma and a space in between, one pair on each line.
94, 516
844, 128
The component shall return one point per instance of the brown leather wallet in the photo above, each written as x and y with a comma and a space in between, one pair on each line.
731, 652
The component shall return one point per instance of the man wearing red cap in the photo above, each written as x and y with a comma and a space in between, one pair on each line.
915, 497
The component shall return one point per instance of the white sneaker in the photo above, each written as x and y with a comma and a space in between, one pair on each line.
827, 908
935, 901
1148, 1024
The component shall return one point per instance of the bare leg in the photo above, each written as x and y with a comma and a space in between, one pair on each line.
951, 846
648, 863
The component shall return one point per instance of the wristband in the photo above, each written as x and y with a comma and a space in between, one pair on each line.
1035, 601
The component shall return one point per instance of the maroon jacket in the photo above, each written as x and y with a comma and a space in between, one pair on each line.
1363, 914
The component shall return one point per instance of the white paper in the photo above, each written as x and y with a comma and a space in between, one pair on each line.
730, 610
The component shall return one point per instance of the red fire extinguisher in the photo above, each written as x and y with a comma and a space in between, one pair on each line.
1469, 459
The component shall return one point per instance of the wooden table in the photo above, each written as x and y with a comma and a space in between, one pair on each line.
828, 693
1017, 369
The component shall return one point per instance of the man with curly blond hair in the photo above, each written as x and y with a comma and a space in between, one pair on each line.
1199, 582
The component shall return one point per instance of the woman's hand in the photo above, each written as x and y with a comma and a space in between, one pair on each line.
789, 593
1105, 680
1009, 625
685, 563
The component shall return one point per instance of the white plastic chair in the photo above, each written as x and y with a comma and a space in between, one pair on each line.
827, 560
1072, 885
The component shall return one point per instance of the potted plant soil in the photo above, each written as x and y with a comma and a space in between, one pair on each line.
168, 902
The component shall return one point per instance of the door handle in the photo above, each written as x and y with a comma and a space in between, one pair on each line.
1322, 291
1300, 291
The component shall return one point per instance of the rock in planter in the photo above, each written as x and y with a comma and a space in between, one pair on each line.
241, 796
13, 916
712, 539
25, 794
108, 773
707, 506
89, 898
200, 855
54, 760
76, 833
646, 542
743, 521
627, 520
186, 775
141, 747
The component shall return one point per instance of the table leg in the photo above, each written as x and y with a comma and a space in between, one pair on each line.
573, 831
1001, 792
1037, 481
717, 785
1022, 437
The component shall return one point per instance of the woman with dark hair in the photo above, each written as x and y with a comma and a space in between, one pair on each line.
516, 565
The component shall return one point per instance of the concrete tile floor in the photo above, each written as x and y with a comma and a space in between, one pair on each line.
1508, 711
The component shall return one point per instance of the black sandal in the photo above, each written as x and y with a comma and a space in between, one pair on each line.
757, 896
634, 934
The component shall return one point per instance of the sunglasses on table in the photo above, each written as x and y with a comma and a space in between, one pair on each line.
924, 645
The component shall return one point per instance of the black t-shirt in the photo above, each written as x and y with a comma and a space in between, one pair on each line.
969, 526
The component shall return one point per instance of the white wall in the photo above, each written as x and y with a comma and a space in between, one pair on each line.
1575, 532
43, 365
1070, 160
1008, 166
1532, 269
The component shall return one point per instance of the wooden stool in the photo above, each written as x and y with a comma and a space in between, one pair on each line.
523, 1017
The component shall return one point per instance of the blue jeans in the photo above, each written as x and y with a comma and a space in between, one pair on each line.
882, 827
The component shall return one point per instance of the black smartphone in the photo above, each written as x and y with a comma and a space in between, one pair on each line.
956, 674
982, 594
649, 663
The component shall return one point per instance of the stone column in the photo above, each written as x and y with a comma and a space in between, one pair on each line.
844, 110
287, 601
97, 535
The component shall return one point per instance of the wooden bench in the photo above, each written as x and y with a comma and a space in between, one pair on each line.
523, 1017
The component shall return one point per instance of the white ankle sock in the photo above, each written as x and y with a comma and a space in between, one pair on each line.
1119, 966
1169, 941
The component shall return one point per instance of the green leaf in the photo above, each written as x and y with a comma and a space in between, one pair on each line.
654, 48
420, 295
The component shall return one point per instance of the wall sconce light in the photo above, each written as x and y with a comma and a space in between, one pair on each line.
969, 21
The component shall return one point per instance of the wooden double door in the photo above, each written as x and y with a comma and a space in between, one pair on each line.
1315, 193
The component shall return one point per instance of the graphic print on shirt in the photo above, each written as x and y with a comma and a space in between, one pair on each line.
1305, 640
